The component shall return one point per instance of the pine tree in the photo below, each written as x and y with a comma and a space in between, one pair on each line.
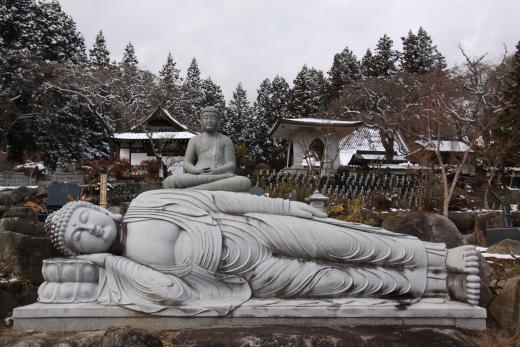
280, 96
419, 54
345, 69
99, 55
192, 96
383, 63
367, 65
169, 87
309, 93
35, 39
129, 61
213, 95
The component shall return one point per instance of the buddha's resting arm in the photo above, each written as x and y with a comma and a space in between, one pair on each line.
236, 203
190, 159
229, 165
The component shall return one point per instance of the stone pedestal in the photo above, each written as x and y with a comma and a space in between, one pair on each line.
259, 312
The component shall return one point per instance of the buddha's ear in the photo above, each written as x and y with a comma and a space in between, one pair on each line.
116, 217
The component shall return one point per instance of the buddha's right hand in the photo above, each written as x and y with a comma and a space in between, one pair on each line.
302, 210
97, 258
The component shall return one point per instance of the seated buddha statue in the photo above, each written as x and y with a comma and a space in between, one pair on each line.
209, 162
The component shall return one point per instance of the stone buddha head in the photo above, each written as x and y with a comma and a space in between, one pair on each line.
82, 228
210, 119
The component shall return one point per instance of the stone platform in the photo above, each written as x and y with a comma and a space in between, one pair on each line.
259, 312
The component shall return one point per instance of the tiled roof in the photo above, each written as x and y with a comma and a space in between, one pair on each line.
155, 135
367, 139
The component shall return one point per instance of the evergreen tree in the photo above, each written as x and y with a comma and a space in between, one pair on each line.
383, 63
192, 96
213, 95
262, 110
419, 54
345, 69
99, 55
35, 39
280, 96
241, 123
309, 93
129, 61
367, 65
169, 87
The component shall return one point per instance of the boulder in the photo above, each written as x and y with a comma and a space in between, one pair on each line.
24, 254
505, 308
128, 336
464, 221
15, 293
374, 218
22, 226
19, 194
506, 246
41, 192
5, 197
249, 336
20, 211
426, 226
319, 336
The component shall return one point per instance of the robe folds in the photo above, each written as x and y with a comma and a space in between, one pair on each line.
244, 246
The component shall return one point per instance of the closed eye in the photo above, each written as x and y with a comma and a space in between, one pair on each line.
83, 216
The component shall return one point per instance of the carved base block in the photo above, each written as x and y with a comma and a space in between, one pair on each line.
258, 312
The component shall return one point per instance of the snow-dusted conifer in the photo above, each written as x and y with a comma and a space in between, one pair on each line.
192, 96
345, 69
384, 61
309, 92
419, 55
99, 55
129, 61
213, 95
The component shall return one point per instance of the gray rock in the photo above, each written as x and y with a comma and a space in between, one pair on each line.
127, 336
320, 336
505, 308
260, 336
41, 192
14, 294
464, 221
373, 216
22, 212
21, 226
426, 226
5, 197
24, 254
506, 246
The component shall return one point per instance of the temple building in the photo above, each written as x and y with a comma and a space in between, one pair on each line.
313, 140
159, 129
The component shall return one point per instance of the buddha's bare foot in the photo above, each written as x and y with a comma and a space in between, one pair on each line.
463, 274
465, 288
463, 260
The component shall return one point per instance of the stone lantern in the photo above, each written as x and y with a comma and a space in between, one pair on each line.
317, 200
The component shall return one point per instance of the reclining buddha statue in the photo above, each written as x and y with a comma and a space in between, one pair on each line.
194, 252
209, 162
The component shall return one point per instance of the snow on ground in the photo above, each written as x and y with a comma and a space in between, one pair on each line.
485, 254
14, 187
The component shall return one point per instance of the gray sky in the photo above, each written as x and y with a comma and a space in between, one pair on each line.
249, 40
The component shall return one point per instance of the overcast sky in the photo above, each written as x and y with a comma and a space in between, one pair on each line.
250, 40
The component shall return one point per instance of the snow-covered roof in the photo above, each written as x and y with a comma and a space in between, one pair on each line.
30, 166
284, 126
319, 121
368, 139
166, 114
444, 146
161, 135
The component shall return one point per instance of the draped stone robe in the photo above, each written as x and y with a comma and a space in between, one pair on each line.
243, 245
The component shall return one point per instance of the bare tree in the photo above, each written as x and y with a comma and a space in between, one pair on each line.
462, 106
384, 103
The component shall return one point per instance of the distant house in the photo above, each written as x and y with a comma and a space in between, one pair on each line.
135, 144
363, 147
451, 153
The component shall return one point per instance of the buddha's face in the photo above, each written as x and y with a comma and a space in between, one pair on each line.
210, 121
90, 231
